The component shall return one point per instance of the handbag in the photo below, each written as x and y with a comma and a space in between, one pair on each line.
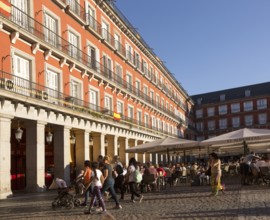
208, 171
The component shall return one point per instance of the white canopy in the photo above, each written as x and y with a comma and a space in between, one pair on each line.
162, 145
237, 140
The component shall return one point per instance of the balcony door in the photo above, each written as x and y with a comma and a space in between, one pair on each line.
19, 12
50, 30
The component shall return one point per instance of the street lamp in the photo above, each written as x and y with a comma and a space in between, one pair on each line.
18, 134
49, 137
72, 139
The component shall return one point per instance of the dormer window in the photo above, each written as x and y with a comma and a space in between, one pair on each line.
199, 101
222, 97
247, 93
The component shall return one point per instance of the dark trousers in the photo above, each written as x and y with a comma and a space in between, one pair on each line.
120, 184
133, 188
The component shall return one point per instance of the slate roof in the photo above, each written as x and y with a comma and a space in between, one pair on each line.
233, 94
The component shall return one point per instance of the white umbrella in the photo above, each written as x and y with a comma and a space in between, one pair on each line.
162, 145
241, 137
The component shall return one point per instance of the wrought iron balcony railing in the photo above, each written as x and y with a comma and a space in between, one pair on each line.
21, 86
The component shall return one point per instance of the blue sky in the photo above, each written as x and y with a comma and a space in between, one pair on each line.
208, 45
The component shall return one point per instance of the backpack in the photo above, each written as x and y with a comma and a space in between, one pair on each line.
137, 176
119, 169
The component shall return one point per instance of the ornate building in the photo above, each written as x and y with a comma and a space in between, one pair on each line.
78, 81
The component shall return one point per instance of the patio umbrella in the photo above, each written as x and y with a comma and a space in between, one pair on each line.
163, 145
241, 139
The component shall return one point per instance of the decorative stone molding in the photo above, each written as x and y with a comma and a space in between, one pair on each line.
47, 54
71, 67
14, 36
34, 48
62, 62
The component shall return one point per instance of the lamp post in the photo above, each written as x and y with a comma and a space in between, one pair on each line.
49, 137
18, 136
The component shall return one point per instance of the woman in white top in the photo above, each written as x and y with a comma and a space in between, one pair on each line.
131, 179
97, 179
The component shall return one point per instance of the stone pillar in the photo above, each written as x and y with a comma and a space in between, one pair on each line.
131, 143
82, 149
123, 155
115, 149
135, 144
62, 153
5, 156
98, 145
155, 158
111, 146
35, 156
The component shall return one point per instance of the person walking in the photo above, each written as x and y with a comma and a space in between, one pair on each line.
132, 167
87, 181
119, 176
97, 179
109, 181
215, 164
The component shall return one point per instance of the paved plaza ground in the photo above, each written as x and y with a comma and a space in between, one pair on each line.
178, 202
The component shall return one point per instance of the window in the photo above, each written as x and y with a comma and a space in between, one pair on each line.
138, 87
248, 106
261, 103
108, 103
146, 120
105, 31
199, 113
150, 74
94, 99
248, 120
262, 118
129, 52
210, 111
139, 117
50, 31
162, 103
211, 125
145, 91
223, 123
130, 112
19, 12
129, 82
222, 97
235, 122
74, 6
235, 107
222, 109
152, 96
22, 71
52, 84
157, 100
75, 89
107, 67
120, 107
92, 56
119, 74
199, 101
137, 60
199, 126
90, 17
153, 122
73, 39
247, 93
117, 42
144, 67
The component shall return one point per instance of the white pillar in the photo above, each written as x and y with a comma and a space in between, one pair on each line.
136, 154
115, 149
82, 149
35, 156
62, 153
126, 158
5, 157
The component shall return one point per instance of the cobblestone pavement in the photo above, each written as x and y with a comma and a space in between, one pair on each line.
178, 202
